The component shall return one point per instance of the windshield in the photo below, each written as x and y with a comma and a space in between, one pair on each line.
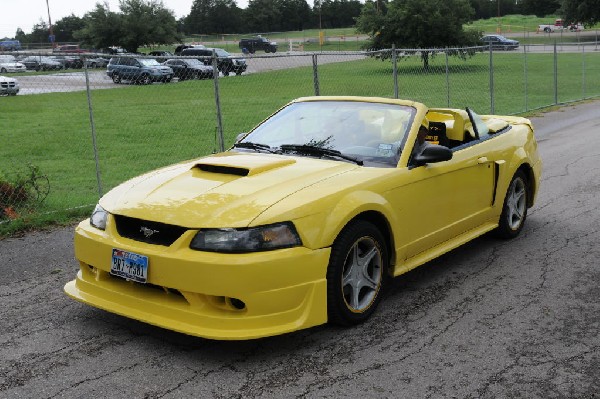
193, 62
149, 62
221, 53
370, 132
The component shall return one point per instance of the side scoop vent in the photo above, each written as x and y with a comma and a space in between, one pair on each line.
224, 170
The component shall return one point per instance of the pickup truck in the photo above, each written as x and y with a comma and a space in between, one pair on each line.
560, 26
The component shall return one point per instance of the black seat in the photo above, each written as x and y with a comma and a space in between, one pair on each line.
437, 134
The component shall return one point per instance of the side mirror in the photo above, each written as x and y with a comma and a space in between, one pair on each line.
240, 136
433, 153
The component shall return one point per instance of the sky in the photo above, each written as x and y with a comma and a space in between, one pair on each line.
26, 13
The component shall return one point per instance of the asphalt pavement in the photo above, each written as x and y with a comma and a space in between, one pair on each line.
492, 319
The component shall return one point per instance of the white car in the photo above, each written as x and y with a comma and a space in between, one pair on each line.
8, 63
9, 86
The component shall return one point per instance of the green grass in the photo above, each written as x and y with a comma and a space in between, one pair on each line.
140, 128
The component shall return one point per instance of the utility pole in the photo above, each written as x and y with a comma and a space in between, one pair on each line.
51, 37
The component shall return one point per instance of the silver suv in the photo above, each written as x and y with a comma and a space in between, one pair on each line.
138, 70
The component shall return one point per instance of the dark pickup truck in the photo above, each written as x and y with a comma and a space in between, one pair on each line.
252, 44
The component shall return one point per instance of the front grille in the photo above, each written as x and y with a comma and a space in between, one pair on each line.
6, 85
147, 231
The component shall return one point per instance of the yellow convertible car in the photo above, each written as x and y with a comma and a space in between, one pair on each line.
306, 218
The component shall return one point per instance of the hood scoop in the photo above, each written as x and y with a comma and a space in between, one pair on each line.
224, 170
238, 164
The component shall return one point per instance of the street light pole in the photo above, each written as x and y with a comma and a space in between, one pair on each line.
50, 23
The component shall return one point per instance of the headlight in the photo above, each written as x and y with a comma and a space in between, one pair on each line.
98, 218
263, 238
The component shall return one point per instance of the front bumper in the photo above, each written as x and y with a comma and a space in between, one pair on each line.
199, 293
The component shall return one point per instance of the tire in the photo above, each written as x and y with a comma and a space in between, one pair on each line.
355, 286
145, 80
514, 209
3, 70
225, 72
116, 78
547, 30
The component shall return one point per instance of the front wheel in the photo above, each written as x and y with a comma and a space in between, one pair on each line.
514, 210
145, 80
3, 70
357, 271
116, 78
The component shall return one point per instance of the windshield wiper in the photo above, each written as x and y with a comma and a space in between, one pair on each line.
254, 146
318, 151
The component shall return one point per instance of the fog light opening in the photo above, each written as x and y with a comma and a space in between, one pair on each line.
238, 304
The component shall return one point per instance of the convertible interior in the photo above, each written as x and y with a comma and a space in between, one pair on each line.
453, 127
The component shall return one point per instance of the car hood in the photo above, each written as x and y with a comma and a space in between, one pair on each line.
12, 64
222, 190
5, 79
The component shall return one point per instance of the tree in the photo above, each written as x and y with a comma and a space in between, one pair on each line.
65, 28
141, 22
295, 14
263, 16
540, 8
584, 11
146, 22
213, 16
418, 24
102, 28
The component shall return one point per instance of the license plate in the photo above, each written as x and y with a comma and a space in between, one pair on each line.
129, 265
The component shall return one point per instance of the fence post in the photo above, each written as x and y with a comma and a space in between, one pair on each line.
555, 74
583, 71
525, 70
315, 75
93, 126
447, 80
395, 70
218, 102
492, 105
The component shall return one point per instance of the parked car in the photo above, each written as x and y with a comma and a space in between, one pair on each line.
96, 62
182, 47
10, 45
499, 42
162, 55
186, 68
69, 49
41, 63
138, 70
226, 63
68, 61
252, 44
306, 218
8, 63
9, 86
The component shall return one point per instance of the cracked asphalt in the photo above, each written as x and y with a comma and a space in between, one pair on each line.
492, 319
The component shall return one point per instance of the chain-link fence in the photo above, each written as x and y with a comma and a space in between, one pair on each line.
74, 132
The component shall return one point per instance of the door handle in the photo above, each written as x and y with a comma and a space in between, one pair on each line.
482, 160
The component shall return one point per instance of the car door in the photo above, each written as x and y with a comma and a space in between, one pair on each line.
446, 199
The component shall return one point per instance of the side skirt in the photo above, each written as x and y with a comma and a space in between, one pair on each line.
442, 248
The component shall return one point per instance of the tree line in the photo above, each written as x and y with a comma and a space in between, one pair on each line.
414, 23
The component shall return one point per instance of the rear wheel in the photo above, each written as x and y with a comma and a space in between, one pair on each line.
3, 70
356, 273
116, 78
514, 211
